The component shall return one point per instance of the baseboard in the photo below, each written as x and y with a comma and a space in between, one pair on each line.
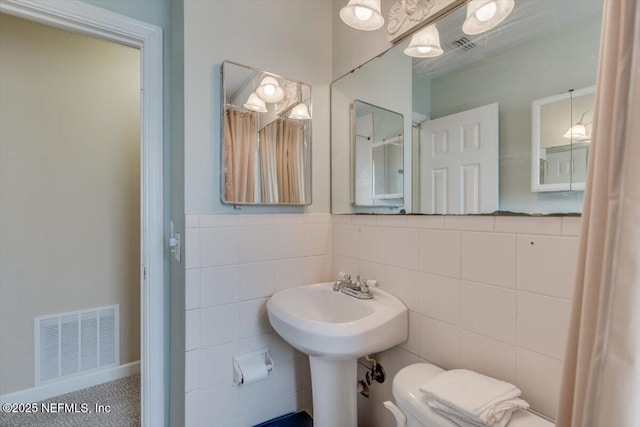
47, 391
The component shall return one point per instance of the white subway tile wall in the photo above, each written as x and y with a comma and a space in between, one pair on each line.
492, 294
484, 293
234, 264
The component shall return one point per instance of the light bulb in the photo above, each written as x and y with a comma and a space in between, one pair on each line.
486, 12
254, 103
363, 13
300, 112
425, 43
269, 90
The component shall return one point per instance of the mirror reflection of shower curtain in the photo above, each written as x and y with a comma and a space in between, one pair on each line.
269, 137
240, 152
282, 166
293, 162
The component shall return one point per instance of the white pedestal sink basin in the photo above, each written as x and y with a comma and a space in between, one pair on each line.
335, 329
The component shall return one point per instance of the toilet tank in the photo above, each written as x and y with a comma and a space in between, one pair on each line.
413, 402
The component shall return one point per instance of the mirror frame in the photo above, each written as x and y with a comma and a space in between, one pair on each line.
352, 151
223, 97
536, 186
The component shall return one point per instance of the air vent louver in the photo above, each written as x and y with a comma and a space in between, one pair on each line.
463, 43
70, 344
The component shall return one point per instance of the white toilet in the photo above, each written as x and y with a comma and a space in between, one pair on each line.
412, 409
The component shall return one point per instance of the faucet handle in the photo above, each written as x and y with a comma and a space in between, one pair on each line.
344, 276
371, 282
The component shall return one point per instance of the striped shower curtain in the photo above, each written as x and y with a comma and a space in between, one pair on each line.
240, 142
282, 162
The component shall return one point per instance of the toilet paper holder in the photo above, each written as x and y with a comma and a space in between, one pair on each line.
252, 367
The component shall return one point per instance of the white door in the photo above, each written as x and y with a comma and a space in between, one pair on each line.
459, 162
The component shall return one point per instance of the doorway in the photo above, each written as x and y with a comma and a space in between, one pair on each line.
56, 243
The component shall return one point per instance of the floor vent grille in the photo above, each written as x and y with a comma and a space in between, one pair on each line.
74, 343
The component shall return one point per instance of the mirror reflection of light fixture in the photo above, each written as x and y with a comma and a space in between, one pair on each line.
300, 112
581, 130
362, 14
425, 43
254, 103
482, 15
270, 90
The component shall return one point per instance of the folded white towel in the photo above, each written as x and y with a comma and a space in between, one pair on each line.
498, 419
472, 399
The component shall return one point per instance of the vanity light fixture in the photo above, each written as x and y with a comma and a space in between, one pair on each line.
270, 90
581, 130
482, 15
300, 112
425, 43
362, 15
254, 103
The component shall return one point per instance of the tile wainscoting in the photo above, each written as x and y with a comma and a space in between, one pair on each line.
492, 294
489, 294
234, 263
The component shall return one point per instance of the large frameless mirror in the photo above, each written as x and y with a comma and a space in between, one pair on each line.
266, 150
468, 104
378, 153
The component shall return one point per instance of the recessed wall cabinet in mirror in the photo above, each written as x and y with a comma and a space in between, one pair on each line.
266, 149
538, 50
561, 138
377, 147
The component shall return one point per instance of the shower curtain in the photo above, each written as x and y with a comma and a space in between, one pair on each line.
293, 162
282, 163
601, 381
240, 141
269, 137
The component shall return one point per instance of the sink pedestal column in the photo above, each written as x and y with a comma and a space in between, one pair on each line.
335, 392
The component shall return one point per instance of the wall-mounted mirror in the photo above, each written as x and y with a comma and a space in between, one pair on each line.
384, 88
561, 126
266, 150
541, 49
378, 155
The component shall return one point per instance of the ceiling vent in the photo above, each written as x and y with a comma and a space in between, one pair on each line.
463, 43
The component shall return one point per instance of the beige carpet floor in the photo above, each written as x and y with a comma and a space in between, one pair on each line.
121, 396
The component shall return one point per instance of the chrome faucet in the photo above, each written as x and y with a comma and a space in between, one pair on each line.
358, 289
345, 281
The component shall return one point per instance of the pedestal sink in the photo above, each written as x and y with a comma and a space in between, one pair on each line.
335, 329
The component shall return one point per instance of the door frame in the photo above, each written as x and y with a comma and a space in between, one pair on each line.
83, 18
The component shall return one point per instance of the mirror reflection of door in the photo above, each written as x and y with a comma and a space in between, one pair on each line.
378, 150
459, 162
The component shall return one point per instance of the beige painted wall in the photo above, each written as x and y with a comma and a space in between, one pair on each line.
69, 186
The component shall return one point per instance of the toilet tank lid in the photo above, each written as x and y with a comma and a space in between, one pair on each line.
406, 391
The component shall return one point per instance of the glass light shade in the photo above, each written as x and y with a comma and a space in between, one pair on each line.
270, 90
254, 103
300, 112
577, 131
482, 15
362, 15
425, 43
